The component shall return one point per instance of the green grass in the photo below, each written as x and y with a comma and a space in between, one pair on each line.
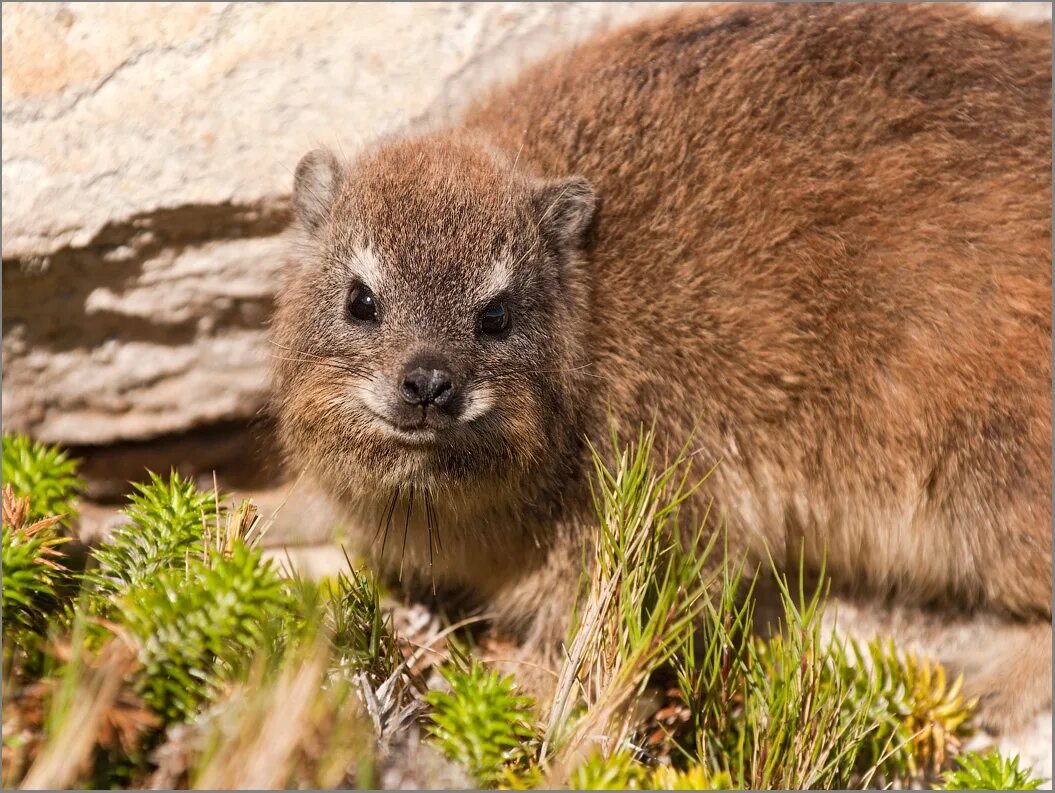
644, 588
181, 657
360, 633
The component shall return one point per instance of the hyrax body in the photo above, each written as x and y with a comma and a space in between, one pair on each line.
815, 240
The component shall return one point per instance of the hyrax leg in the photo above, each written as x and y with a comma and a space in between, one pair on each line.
986, 505
1008, 669
1006, 663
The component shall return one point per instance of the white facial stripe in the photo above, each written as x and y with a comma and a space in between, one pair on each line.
477, 403
366, 266
370, 391
499, 279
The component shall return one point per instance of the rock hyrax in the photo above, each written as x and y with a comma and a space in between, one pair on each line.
816, 239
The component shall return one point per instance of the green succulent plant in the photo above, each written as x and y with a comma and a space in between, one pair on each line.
482, 722
617, 771
46, 475
197, 627
921, 715
990, 771
166, 521
32, 567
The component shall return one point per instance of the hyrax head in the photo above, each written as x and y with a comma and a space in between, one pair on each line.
428, 330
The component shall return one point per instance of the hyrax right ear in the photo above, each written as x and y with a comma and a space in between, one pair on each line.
565, 209
315, 184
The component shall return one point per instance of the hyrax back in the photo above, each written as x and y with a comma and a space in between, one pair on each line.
814, 239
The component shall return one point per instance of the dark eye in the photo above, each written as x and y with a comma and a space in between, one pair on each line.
362, 305
494, 320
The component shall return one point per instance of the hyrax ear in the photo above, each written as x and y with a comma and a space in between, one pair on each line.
315, 184
564, 209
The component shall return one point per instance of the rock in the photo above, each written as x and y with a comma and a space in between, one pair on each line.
146, 331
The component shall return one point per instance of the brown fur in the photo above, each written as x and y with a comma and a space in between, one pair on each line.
820, 246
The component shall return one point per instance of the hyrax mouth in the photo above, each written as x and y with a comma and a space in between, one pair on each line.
414, 436
426, 427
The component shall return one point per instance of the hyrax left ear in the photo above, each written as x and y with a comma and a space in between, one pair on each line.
315, 186
564, 209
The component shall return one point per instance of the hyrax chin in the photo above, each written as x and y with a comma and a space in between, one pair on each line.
816, 239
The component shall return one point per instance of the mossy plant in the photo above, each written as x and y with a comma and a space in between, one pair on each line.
45, 475
197, 627
32, 564
922, 715
990, 771
165, 525
482, 722
616, 771
622, 771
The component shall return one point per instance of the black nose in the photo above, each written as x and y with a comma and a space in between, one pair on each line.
425, 385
